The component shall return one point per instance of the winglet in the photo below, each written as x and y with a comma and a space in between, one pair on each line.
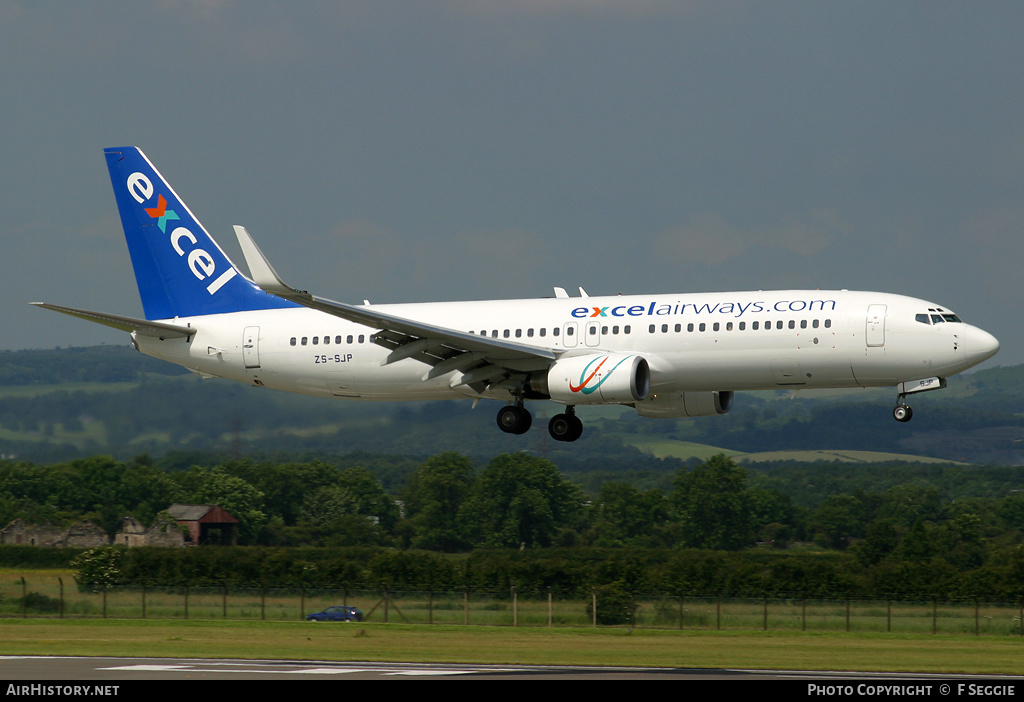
263, 274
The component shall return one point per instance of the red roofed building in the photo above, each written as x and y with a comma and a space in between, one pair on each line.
204, 521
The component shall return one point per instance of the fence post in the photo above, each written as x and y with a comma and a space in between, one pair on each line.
515, 607
224, 600
61, 581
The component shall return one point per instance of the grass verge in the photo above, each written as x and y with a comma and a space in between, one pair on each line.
507, 645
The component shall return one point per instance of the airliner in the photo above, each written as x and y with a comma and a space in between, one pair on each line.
665, 355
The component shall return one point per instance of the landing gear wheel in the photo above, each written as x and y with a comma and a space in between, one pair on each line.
565, 427
514, 419
902, 413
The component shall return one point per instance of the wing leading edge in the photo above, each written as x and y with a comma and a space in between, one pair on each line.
482, 361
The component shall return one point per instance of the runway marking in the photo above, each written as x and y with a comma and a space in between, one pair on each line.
256, 668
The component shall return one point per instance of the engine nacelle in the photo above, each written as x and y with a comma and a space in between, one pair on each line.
599, 379
685, 404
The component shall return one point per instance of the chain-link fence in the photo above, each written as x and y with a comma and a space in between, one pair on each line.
46, 596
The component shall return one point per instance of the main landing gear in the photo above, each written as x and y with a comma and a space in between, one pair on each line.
516, 419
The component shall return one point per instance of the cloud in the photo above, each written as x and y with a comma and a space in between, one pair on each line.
710, 240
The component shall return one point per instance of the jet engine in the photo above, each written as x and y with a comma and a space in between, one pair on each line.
599, 379
685, 404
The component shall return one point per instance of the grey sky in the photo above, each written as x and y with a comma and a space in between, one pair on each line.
451, 149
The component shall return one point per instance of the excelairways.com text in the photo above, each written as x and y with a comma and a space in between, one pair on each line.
734, 309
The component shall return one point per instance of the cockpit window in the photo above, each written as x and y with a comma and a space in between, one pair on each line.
937, 318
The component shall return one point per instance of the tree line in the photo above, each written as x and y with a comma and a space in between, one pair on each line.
448, 504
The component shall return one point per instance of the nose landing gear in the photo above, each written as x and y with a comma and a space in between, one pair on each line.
902, 412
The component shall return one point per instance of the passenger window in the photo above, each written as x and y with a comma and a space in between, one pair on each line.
361, 338
814, 324
337, 339
755, 325
625, 329
543, 331
292, 342
570, 331
519, 333
728, 326
702, 326
828, 323
304, 340
650, 329
316, 340
554, 332
348, 339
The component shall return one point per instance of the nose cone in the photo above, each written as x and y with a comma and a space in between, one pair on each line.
980, 345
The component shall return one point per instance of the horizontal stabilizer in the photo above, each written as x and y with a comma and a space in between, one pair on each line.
159, 330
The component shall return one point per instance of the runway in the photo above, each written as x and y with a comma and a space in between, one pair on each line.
44, 670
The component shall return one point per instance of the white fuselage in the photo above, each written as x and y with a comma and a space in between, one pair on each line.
725, 341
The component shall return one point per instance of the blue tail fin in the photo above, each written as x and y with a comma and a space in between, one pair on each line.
180, 269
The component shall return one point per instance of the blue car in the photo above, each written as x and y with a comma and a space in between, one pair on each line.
337, 614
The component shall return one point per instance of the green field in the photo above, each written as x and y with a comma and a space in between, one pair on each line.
508, 645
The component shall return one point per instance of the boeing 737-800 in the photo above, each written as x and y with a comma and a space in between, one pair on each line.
664, 355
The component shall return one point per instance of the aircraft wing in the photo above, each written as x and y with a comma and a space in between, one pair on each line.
160, 330
482, 360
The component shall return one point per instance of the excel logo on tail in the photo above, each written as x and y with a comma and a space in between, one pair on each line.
592, 371
182, 240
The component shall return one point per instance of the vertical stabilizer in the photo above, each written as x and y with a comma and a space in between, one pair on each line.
179, 268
